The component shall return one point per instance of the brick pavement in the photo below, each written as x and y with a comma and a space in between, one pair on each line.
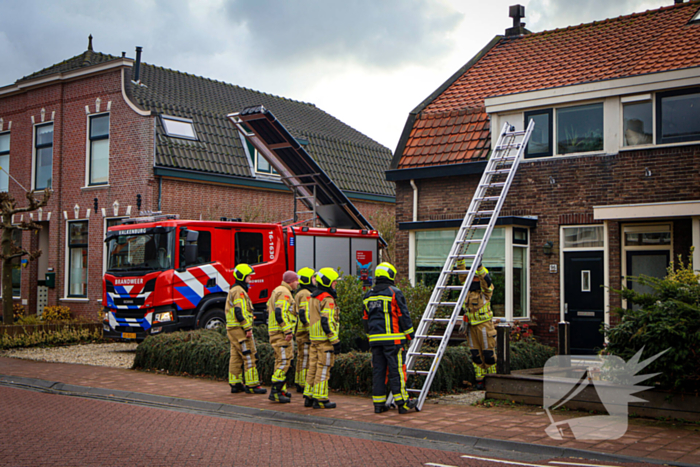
643, 439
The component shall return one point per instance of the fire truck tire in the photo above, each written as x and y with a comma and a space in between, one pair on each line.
213, 319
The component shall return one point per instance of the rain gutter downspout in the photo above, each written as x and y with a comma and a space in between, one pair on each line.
412, 238
415, 201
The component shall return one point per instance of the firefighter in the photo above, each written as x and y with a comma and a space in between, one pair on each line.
324, 322
280, 325
307, 285
478, 325
239, 326
388, 326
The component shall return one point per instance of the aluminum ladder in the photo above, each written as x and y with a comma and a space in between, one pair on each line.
442, 312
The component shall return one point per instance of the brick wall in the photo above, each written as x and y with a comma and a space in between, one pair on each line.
563, 191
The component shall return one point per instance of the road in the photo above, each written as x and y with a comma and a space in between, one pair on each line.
38, 429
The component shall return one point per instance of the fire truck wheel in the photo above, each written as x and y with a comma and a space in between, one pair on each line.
213, 319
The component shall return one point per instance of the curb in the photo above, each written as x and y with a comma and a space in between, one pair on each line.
460, 443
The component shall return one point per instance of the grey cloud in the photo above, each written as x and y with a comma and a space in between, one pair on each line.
552, 14
376, 33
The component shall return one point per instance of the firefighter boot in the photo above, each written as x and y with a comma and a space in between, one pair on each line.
277, 395
236, 388
379, 408
308, 401
255, 390
323, 405
300, 388
408, 405
284, 391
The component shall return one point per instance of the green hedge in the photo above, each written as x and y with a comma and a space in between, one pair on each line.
206, 353
65, 336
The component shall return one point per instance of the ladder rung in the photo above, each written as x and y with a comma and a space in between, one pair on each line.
418, 372
493, 185
443, 303
450, 287
460, 271
498, 171
438, 320
513, 133
488, 198
424, 354
413, 390
508, 146
462, 256
430, 337
305, 212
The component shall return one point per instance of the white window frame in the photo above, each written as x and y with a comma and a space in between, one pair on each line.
164, 118
66, 282
634, 99
34, 153
88, 150
104, 245
646, 227
6, 167
508, 276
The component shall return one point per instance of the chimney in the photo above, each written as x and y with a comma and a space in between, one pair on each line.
137, 65
517, 12
677, 1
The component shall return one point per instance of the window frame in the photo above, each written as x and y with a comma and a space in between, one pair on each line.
6, 167
550, 113
555, 134
69, 247
90, 140
35, 147
658, 114
254, 155
164, 118
637, 99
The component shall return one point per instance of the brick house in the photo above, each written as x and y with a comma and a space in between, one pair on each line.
609, 186
110, 147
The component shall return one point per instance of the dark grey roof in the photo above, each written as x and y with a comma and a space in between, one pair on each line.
354, 161
86, 59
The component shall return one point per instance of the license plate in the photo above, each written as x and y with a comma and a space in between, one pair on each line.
129, 335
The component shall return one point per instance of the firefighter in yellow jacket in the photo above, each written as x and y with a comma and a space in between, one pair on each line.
324, 321
478, 324
239, 326
280, 324
307, 286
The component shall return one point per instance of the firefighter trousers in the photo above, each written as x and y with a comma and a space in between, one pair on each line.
321, 359
482, 344
388, 366
302, 359
284, 351
243, 353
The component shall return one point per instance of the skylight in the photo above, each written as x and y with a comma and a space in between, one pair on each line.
696, 17
179, 127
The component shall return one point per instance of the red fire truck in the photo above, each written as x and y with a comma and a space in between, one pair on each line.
165, 274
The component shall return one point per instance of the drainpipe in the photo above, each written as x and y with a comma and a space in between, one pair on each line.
415, 201
137, 65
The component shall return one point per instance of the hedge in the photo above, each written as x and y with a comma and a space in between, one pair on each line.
206, 353
64, 335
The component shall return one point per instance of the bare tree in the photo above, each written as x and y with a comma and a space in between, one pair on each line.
10, 251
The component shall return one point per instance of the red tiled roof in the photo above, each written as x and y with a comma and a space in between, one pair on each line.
454, 127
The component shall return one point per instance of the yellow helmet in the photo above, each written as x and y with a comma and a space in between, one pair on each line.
305, 275
241, 271
385, 270
326, 277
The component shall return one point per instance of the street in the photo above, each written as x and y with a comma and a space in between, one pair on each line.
54, 430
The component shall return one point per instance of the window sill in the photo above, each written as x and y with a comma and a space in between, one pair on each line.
74, 299
565, 156
642, 147
93, 187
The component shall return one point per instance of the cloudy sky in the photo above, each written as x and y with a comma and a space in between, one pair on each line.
366, 62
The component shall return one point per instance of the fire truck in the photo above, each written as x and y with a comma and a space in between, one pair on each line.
165, 274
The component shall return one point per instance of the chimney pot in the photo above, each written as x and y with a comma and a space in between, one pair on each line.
677, 1
137, 65
517, 12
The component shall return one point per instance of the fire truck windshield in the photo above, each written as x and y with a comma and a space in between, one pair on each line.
146, 250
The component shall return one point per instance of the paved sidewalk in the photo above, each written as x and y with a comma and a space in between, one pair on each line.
646, 439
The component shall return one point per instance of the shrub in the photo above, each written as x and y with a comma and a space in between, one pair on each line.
28, 321
56, 313
350, 295
64, 336
528, 353
666, 318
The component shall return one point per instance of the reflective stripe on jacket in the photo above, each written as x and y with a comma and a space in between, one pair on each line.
280, 310
302, 308
477, 305
324, 318
387, 321
238, 309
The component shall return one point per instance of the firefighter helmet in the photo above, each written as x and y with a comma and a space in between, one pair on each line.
305, 275
385, 270
326, 277
241, 271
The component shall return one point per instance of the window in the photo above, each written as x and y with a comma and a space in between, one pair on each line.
584, 237
678, 116
580, 129
540, 144
261, 164
99, 150
109, 222
17, 265
179, 127
77, 258
203, 247
249, 248
43, 156
4, 161
637, 123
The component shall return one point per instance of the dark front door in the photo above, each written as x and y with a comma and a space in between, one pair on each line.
583, 300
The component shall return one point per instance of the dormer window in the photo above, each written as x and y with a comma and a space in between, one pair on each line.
637, 120
678, 116
580, 129
178, 127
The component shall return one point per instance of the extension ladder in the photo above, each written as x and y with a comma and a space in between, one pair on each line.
442, 313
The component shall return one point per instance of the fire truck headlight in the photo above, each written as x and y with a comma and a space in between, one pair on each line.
164, 317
